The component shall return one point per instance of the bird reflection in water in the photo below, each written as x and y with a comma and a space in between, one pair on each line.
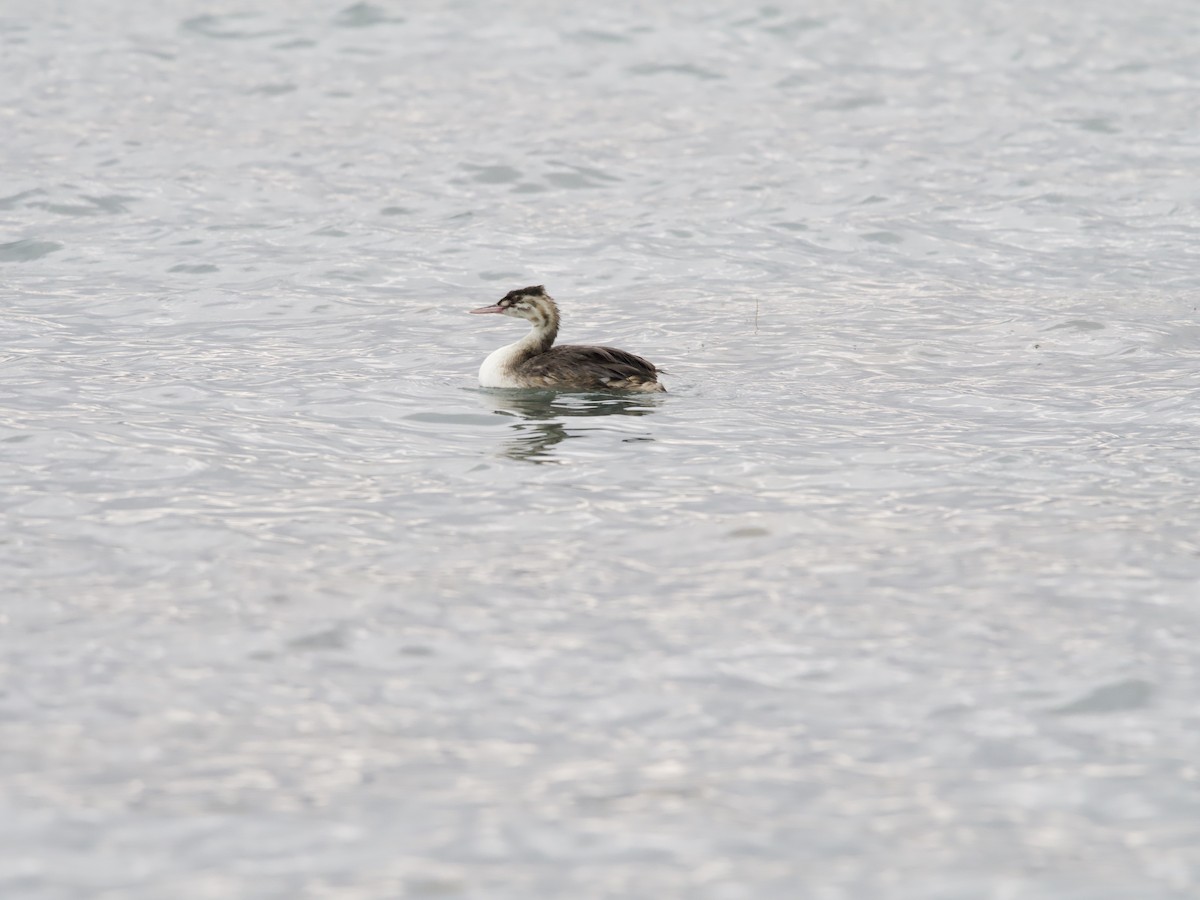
538, 428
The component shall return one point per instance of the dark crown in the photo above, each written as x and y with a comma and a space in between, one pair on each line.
512, 297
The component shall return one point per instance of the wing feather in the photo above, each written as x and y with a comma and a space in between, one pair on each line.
599, 367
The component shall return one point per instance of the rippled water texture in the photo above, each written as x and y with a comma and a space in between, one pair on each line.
892, 595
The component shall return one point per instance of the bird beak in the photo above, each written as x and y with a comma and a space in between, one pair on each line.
487, 309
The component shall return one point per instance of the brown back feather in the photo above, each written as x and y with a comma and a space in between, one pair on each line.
587, 364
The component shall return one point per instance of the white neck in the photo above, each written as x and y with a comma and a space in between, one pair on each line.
498, 370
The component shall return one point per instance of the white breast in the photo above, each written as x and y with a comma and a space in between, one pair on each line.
496, 371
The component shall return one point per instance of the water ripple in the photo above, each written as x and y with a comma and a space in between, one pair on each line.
890, 594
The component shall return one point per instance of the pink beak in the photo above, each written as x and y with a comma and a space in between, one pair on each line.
487, 309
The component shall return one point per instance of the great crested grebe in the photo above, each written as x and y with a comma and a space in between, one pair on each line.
534, 361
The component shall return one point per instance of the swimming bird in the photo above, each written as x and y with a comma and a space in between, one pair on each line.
534, 361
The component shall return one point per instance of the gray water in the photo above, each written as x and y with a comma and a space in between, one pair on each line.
892, 595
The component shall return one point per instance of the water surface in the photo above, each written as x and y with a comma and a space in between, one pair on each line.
893, 595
